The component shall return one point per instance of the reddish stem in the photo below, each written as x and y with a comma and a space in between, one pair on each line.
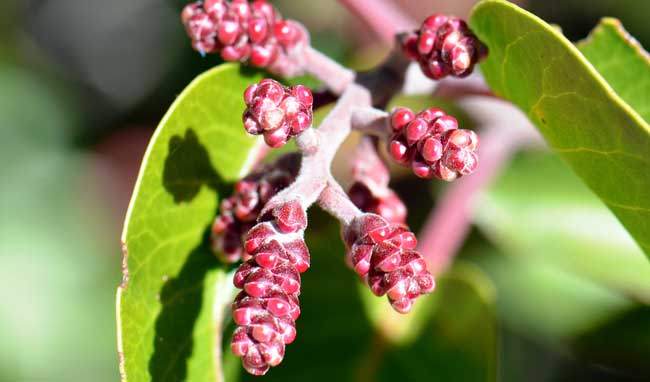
337, 203
450, 222
368, 167
371, 121
506, 130
335, 76
382, 16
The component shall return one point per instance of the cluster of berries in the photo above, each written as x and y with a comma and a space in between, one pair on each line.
276, 111
432, 144
370, 191
253, 33
267, 308
444, 45
238, 213
383, 254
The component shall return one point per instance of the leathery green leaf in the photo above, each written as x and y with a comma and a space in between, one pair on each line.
170, 303
602, 138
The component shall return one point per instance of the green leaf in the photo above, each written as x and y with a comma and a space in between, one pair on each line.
622, 342
601, 137
167, 327
562, 224
621, 60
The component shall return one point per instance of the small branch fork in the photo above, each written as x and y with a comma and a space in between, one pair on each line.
449, 223
315, 182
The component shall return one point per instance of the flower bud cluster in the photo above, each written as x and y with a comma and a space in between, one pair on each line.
276, 111
267, 308
383, 254
431, 143
443, 46
242, 31
239, 212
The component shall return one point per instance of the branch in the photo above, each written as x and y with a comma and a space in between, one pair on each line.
337, 203
382, 16
335, 76
371, 121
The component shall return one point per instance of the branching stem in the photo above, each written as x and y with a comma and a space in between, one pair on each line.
318, 147
335, 76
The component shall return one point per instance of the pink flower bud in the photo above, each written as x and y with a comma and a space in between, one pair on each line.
388, 262
274, 110
444, 46
433, 146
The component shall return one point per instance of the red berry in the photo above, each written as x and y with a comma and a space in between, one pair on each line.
300, 123
215, 8
271, 90
290, 217
421, 169
410, 46
443, 172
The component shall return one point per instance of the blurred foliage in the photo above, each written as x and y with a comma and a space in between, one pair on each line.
56, 273
566, 269
541, 213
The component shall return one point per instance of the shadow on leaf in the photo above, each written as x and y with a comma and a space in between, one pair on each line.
187, 168
181, 298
